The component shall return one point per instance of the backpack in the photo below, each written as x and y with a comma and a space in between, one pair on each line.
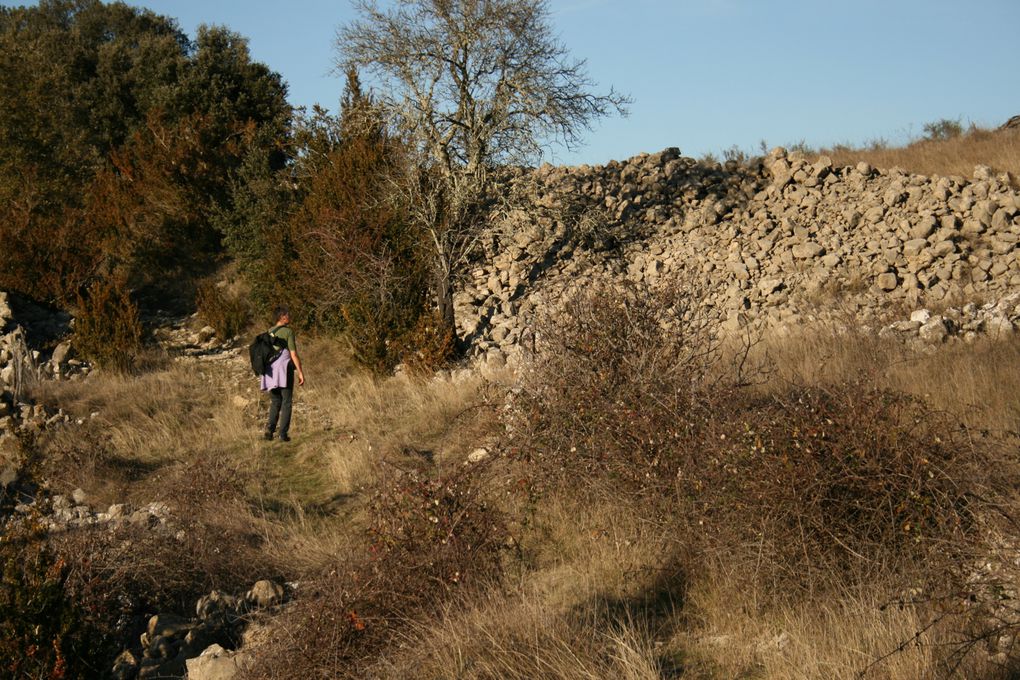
264, 351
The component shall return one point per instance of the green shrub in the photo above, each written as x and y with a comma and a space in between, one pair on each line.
328, 235
942, 130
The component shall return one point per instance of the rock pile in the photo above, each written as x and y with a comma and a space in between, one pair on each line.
172, 646
198, 647
774, 240
994, 319
20, 366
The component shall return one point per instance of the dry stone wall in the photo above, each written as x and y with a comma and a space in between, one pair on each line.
780, 240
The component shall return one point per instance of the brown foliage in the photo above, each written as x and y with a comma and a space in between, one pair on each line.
49, 251
359, 266
153, 202
430, 541
108, 330
805, 486
428, 346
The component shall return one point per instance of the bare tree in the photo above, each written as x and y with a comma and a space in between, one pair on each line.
472, 84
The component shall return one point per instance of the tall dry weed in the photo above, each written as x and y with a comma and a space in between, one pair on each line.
976, 382
999, 149
520, 637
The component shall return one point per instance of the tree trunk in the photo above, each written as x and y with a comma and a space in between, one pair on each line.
444, 304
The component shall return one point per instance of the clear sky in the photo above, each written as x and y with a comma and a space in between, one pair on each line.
709, 74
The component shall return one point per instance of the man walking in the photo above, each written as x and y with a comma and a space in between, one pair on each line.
279, 381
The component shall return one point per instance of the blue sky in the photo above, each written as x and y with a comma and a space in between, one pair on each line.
709, 74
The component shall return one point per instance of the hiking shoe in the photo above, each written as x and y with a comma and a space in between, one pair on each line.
284, 438
268, 436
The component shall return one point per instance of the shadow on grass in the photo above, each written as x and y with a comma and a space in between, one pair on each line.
654, 609
292, 508
131, 469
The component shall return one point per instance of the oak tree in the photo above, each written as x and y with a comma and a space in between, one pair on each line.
471, 84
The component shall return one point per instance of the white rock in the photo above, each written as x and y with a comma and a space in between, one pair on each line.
886, 281
478, 455
216, 663
999, 326
920, 315
934, 331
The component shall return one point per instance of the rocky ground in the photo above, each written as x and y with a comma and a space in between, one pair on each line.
780, 241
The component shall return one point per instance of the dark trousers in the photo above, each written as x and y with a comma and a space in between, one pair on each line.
280, 399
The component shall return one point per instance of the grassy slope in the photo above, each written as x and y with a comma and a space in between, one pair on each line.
998, 149
592, 596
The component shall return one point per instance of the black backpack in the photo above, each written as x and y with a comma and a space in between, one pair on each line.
264, 351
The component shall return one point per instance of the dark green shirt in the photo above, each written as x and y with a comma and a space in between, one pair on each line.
285, 333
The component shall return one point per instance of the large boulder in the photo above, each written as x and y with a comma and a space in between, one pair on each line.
217, 663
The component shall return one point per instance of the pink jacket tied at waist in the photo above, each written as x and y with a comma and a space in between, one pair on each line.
277, 376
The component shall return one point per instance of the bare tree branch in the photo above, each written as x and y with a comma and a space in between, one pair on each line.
472, 84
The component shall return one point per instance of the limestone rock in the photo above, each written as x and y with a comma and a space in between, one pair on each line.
216, 663
62, 354
5, 310
478, 455
807, 251
934, 330
999, 326
265, 594
887, 281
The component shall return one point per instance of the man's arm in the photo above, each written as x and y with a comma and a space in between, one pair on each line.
297, 365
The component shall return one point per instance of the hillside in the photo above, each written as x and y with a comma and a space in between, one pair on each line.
741, 420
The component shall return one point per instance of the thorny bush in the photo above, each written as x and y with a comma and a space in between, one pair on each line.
620, 375
44, 633
631, 394
430, 540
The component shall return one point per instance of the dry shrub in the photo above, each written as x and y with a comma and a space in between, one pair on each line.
70, 600
807, 486
44, 632
108, 330
227, 311
206, 538
430, 541
835, 482
620, 376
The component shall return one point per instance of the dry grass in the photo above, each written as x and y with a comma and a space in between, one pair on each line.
729, 636
601, 587
999, 149
594, 601
520, 637
978, 382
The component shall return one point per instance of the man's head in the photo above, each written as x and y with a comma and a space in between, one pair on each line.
282, 313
